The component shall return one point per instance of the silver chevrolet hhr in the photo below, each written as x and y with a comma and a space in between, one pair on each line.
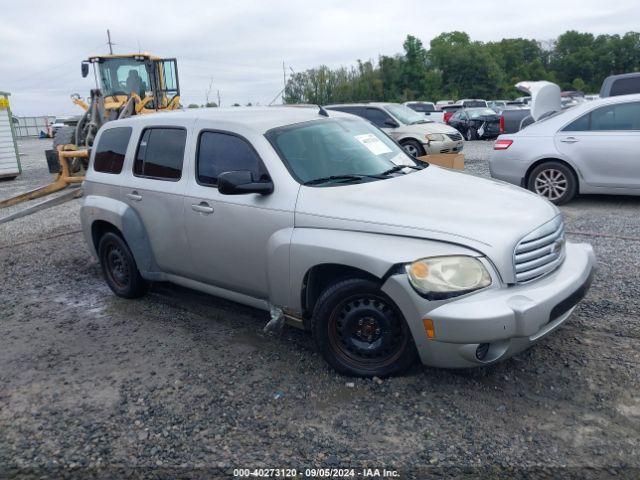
320, 218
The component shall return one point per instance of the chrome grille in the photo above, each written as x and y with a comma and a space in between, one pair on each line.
540, 252
454, 136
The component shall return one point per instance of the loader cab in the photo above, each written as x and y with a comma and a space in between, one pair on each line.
154, 80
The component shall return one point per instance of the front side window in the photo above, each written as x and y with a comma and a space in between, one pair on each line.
111, 150
377, 117
620, 117
223, 152
336, 146
160, 153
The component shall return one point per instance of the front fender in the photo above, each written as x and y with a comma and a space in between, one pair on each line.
126, 220
371, 252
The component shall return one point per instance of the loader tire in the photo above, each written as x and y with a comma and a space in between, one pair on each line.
66, 136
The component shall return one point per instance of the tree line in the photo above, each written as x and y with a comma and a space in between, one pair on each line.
455, 67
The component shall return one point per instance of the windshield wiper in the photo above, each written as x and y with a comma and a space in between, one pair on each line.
317, 181
397, 168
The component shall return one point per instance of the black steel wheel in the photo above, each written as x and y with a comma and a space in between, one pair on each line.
360, 331
119, 267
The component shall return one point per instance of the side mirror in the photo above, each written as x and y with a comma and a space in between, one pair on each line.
84, 67
240, 182
390, 124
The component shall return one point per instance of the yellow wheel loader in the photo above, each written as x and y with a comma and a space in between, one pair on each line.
135, 84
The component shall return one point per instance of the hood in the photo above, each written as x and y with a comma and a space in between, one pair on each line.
425, 128
435, 203
545, 97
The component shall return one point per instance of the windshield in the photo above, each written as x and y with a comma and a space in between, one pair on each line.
405, 114
123, 76
474, 103
480, 112
334, 147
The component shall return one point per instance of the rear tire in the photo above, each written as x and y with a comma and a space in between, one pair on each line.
555, 181
119, 267
413, 148
360, 331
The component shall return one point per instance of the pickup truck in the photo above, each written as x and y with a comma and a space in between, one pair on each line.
428, 109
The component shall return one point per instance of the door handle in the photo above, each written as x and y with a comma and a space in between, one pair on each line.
134, 196
202, 207
569, 140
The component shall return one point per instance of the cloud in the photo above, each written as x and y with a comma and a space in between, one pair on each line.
241, 44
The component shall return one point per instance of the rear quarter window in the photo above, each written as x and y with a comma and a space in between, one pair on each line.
111, 150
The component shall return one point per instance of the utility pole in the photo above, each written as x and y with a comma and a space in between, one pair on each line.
219, 98
284, 81
209, 91
111, 44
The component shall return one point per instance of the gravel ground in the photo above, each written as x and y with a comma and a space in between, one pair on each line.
184, 385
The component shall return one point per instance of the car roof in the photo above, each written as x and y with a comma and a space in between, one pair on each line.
362, 104
259, 119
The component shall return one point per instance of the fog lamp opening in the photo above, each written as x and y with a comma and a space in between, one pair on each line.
482, 350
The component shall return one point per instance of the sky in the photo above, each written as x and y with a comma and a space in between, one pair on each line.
239, 46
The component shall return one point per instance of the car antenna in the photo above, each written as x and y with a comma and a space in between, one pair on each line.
322, 111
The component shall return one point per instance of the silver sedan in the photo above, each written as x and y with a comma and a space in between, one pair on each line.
593, 147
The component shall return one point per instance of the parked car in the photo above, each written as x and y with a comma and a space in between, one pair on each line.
590, 148
477, 123
443, 103
410, 129
449, 110
515, 119
497, 105
57, 124
428, 109
320, 217
472, 103
622, 84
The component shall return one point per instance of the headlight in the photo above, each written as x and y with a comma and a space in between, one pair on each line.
445, 277
435, 137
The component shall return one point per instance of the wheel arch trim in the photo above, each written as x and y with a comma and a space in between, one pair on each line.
125, 220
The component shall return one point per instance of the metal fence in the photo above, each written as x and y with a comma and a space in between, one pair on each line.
32, 126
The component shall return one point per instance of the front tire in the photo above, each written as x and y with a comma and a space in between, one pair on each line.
360, 331
555, 181
119, 267
413, 148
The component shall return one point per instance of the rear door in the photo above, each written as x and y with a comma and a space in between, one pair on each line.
605, 145
155, 188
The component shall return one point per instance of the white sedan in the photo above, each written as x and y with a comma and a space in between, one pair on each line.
593, 147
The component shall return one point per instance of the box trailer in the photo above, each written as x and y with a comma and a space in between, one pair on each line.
9, 158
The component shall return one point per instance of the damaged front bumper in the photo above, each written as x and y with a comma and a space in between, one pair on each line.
498, 322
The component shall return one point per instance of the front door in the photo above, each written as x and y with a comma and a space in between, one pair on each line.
230, 235
605, 145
